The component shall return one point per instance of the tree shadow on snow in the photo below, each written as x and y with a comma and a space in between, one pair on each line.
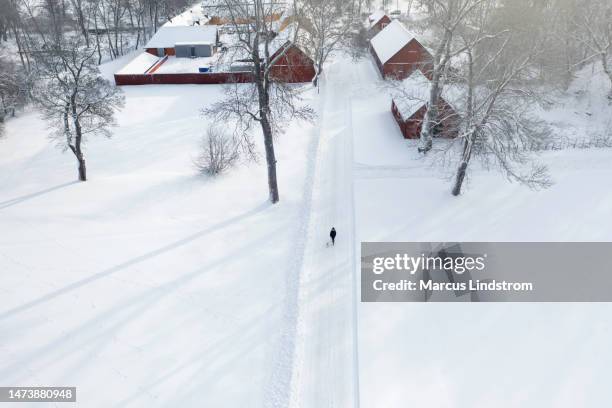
134, 261
19, 200
94, 334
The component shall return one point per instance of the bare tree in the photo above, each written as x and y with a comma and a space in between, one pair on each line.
73, 97
448, 16
268, 100
12, 20
409, 7
219, 152
56, 21
594, 23
326, 25
79, 10
498, 124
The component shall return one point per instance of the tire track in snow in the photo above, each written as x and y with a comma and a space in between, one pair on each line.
355, 288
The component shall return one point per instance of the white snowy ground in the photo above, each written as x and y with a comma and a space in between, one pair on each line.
371, 185
477, 355
149, 285
168, 289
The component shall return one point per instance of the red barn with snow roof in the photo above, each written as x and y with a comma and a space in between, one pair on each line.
376, 22
291, 64
398, 53
410, 105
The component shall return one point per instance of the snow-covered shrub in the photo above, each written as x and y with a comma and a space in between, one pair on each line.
219, 152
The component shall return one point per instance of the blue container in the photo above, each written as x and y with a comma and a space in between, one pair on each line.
204, 69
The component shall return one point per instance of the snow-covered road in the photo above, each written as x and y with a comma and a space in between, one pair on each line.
325, 370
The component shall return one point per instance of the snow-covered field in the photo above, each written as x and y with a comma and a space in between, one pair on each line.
480, 355
152, 286
148, 285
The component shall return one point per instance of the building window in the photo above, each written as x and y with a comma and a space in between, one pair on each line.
193, 54
161, 52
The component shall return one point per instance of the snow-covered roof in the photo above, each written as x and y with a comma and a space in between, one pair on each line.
283, 39
167, 37
413, 94
287, 35
194, 43
139, 65
390, 40
192, 16
375, 17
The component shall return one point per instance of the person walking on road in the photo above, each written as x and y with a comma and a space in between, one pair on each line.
332, 235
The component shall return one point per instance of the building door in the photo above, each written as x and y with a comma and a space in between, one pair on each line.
193, 54
161, 52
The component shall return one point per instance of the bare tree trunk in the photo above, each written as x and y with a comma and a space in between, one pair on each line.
76, 149
117, 22
138, 18
155, 17
115, 10
78, 153
460, 178
104, 16
20, 49
78, 7
82, 168
270, 159
98, 50
607, 70
568, 63
409, 9
266, 127
431, 115
318, 71
111, 50
468, 144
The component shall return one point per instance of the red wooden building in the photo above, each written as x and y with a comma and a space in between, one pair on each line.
398, 53
289, 64
376, 22
410, 105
